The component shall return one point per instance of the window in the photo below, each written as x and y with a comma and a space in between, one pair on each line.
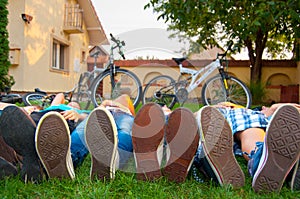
59, 55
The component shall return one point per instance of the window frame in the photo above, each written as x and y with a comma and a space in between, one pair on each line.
61, 65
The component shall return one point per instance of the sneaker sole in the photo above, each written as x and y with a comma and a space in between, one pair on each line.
52, 142
182, 137
281, 150
147, 135
217, 142
101, 139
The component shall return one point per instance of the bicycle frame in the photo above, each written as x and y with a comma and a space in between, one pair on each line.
196, 80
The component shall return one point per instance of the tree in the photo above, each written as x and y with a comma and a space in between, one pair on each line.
6, 81
254, 24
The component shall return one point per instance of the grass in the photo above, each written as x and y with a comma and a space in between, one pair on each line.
126, 186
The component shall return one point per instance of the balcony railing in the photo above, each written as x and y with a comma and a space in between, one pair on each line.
73, 19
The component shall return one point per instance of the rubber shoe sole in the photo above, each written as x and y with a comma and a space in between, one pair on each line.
102, 142
52, 142
147, 136
280, 151
182, 137
217, 143
17, 130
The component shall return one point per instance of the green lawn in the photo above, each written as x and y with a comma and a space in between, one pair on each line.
126, 186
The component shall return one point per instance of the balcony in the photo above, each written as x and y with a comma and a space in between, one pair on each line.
73, 19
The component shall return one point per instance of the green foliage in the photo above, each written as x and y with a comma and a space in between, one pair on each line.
258, 91
5, 79
255, 24
125, 185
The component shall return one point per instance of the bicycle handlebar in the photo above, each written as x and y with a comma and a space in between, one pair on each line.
222, 55
119, 45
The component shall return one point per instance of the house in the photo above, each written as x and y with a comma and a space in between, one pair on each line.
49, 42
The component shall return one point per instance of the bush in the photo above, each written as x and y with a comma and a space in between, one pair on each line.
6, 81
258, 91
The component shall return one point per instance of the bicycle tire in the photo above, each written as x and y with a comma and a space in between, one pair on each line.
82, 94
238, 92
126, 82
160, 90
35, 99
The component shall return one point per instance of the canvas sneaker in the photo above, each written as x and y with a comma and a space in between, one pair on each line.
182, 139
18, 131
52, 142
217, 146
7, 169
102, 143
147, 140
280, 151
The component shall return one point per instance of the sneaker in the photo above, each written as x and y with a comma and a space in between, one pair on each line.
280, 150
147, 140
7, 169
7, 152
18, 131
295, 179
52, 142
102, 142
182, 138
217, 145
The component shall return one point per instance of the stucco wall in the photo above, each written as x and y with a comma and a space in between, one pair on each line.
35, 41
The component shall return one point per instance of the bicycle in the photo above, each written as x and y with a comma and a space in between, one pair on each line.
8, 97
223, 87
98, 85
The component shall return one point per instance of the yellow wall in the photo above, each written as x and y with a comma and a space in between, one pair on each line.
35, 40
274, 76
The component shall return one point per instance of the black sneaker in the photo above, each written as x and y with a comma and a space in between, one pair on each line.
52, 142
217, 145
280, 151
7, 169
102, 143
18, 131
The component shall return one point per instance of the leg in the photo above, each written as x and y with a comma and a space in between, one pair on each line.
248, 139
124, 124
58, 99
79, 148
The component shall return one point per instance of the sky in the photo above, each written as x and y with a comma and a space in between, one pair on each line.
143, 34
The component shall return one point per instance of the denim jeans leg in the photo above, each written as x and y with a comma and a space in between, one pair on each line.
124, 124
79, 148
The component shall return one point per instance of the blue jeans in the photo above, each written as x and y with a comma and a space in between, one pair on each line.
124, 123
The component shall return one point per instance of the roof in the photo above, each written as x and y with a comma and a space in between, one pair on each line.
93, 25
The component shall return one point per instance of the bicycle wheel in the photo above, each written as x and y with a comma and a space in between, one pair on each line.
36, 99
160, 90
126, 82
214, 92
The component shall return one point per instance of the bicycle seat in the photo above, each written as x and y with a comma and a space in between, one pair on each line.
179, 60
